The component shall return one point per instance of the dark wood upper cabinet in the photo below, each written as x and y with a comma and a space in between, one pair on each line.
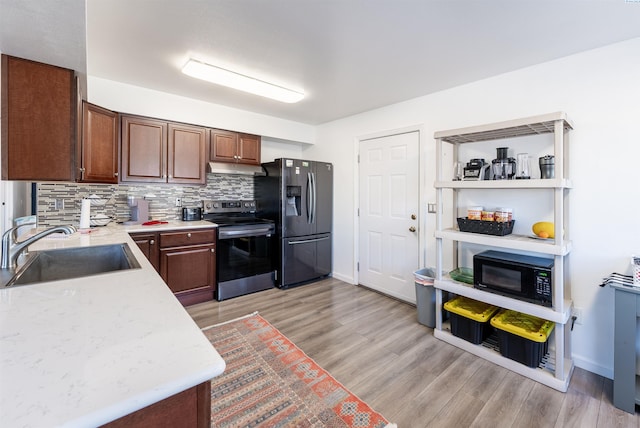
99, 148
162, 152
144, 149
39, 108
249, 149
224, 146
187, 154
233, 147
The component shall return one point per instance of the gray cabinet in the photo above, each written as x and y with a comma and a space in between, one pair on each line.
626, 383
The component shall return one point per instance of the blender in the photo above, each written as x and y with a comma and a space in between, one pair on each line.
503, 167
523, 166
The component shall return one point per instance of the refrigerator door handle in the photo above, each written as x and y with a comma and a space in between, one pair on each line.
313, 197
306, 241
309, 198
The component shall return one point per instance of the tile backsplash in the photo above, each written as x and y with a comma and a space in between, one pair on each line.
59, 203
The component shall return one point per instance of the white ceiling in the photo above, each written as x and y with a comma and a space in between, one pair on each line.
349, 56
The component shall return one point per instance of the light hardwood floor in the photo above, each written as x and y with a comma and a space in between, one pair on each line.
375, 347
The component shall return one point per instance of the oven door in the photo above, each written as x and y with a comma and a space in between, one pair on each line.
244, 260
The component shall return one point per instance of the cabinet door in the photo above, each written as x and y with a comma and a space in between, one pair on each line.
189, 272
99, 152
39, 109
189, 408
144, 150
249, 149
224, 146
186, 156
148, 243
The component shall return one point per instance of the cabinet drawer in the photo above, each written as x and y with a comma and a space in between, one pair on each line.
187, 237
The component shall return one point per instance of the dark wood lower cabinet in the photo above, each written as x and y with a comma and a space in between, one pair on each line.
185, 259
190, 408
148, 243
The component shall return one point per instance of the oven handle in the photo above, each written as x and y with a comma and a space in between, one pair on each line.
306, 241
228, 234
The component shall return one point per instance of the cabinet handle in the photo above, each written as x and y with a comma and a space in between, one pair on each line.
213, 250
82, 169
152, 242
170, 176
115, 174
412, 229
188, 235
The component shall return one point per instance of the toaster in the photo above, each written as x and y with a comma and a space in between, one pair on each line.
191, 214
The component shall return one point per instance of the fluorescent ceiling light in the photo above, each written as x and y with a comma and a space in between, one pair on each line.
239, 81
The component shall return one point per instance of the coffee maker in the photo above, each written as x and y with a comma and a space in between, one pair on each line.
476, 169
139, 210
503, 167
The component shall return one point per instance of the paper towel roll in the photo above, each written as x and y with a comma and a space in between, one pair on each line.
85, 214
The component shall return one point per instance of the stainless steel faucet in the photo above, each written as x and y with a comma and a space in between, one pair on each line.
12, 250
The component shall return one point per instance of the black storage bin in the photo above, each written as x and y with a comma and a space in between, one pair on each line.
470, 319
521, 337
520, 349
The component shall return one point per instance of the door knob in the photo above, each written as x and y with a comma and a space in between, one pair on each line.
413, 217
412, 229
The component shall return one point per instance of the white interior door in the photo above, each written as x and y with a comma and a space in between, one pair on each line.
389, 214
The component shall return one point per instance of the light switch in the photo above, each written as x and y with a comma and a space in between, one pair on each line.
431, 208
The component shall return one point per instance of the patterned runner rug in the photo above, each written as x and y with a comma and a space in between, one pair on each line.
270, 382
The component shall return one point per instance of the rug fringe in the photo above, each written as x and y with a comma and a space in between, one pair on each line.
227, 322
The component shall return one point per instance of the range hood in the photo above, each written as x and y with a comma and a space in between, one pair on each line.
235, 168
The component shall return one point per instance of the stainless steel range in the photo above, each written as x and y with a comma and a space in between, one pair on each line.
245, 248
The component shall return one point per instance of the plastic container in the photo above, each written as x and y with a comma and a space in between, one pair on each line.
474, 213
503, 215
462, 274
522, 337
488, 215
470, 318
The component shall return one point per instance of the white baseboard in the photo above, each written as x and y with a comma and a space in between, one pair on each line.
347, 279
592, 367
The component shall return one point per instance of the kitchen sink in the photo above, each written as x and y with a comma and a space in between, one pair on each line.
55, 265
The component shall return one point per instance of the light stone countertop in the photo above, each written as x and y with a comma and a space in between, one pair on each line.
85, 351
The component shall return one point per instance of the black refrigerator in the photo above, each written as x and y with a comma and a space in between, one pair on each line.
298, 196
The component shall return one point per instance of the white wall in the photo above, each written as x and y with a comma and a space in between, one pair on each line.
600, 92
131, 99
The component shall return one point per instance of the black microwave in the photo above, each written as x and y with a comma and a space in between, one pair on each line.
523, 277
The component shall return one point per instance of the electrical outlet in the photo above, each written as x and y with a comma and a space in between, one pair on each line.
178, 202
58, 204
431, 208
577, 312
